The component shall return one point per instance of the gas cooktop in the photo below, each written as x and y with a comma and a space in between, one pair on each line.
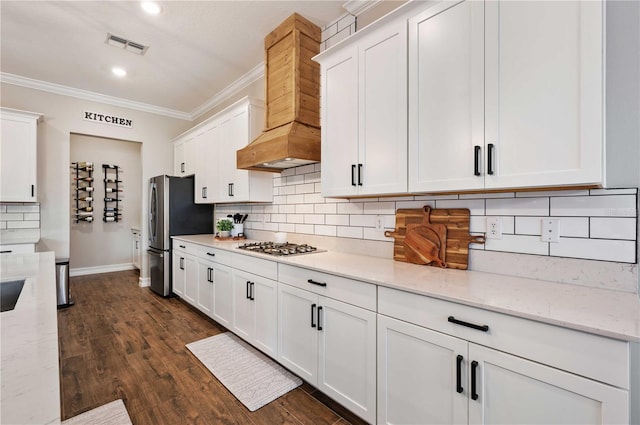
279, 249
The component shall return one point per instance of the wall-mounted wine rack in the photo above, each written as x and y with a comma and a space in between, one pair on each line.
83, 185
112, 189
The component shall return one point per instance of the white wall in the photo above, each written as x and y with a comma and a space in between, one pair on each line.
63, 115
97, 244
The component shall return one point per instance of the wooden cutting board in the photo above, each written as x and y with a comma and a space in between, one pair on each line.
457, 241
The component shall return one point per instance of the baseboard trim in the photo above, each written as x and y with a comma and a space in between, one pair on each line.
144, 281
82, 271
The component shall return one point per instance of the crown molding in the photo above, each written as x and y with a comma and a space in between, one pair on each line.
253, 75
31, 83
357, 7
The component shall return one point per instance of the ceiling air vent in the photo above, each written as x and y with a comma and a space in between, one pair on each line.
123, 43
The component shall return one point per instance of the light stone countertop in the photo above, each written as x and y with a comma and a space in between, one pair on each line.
603, 312
29, 368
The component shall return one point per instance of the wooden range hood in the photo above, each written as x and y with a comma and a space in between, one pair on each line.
292, 91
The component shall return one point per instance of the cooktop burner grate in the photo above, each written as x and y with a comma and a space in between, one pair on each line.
279, 249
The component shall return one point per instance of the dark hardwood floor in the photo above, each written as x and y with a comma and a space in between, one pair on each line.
123, 341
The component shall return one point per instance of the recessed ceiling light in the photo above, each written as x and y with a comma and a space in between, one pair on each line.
119, 72
151, 7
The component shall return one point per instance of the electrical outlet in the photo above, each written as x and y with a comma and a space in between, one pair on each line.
494, 228
379, 222
550, 230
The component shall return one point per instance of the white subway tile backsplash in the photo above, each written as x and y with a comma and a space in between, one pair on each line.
577, 227
595, 206
595, 249
350, 232
337, 220
596, 192
23, 224
11, 217
325, 230
314, 219
379, 207
613, 228
304, 228
32, 216
475, 206
362, 220
16, 208
304, 209
518, 206
3, 225
585, 216
287, 227
551, 193
518, 243
351, 208
295, 218
325, 208
3, 208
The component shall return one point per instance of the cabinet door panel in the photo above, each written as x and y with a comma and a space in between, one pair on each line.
446, 74
205, 288
179, 159
517, 391
239, 132
339, 123
243, 315
178, 273
417, 375
544, 92
190, 280
383, 111
223, 295
297, 340
18, 145
347, 356
265, 330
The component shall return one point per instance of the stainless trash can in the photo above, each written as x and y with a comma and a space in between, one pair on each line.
62, 282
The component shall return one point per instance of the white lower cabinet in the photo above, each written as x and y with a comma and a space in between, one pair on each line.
179, 272
426, 376
255, 310
331, 345
206, 274
223, 295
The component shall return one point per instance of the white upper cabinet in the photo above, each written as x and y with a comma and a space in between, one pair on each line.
213, 144
506, 95
18, 148
544, 93
364, 114
184, 156
446, 99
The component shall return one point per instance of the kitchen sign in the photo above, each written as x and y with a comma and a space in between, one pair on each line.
108, 119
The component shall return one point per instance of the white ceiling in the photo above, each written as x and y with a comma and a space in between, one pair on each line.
196, 48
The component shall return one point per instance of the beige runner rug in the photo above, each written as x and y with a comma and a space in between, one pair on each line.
249, 375
113, 413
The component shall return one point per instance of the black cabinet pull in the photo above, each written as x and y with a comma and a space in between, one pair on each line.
33, 190
353, 174
182, 167
359, 174
483, 328
211, 254
182, 246
476, 160
459, 388
248, 296
474, 367
313, 282
319, 324
181, 263
251, 293
230, 189
204, 192
490, 158
6, 251
313, 313
210, 274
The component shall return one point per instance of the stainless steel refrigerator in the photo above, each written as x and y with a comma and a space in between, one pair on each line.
172, 211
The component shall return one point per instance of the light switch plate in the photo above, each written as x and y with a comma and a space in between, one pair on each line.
550, 230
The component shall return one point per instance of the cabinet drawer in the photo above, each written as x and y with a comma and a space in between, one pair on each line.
600, 358
185, 247
212, 254
257, 266
350, 291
